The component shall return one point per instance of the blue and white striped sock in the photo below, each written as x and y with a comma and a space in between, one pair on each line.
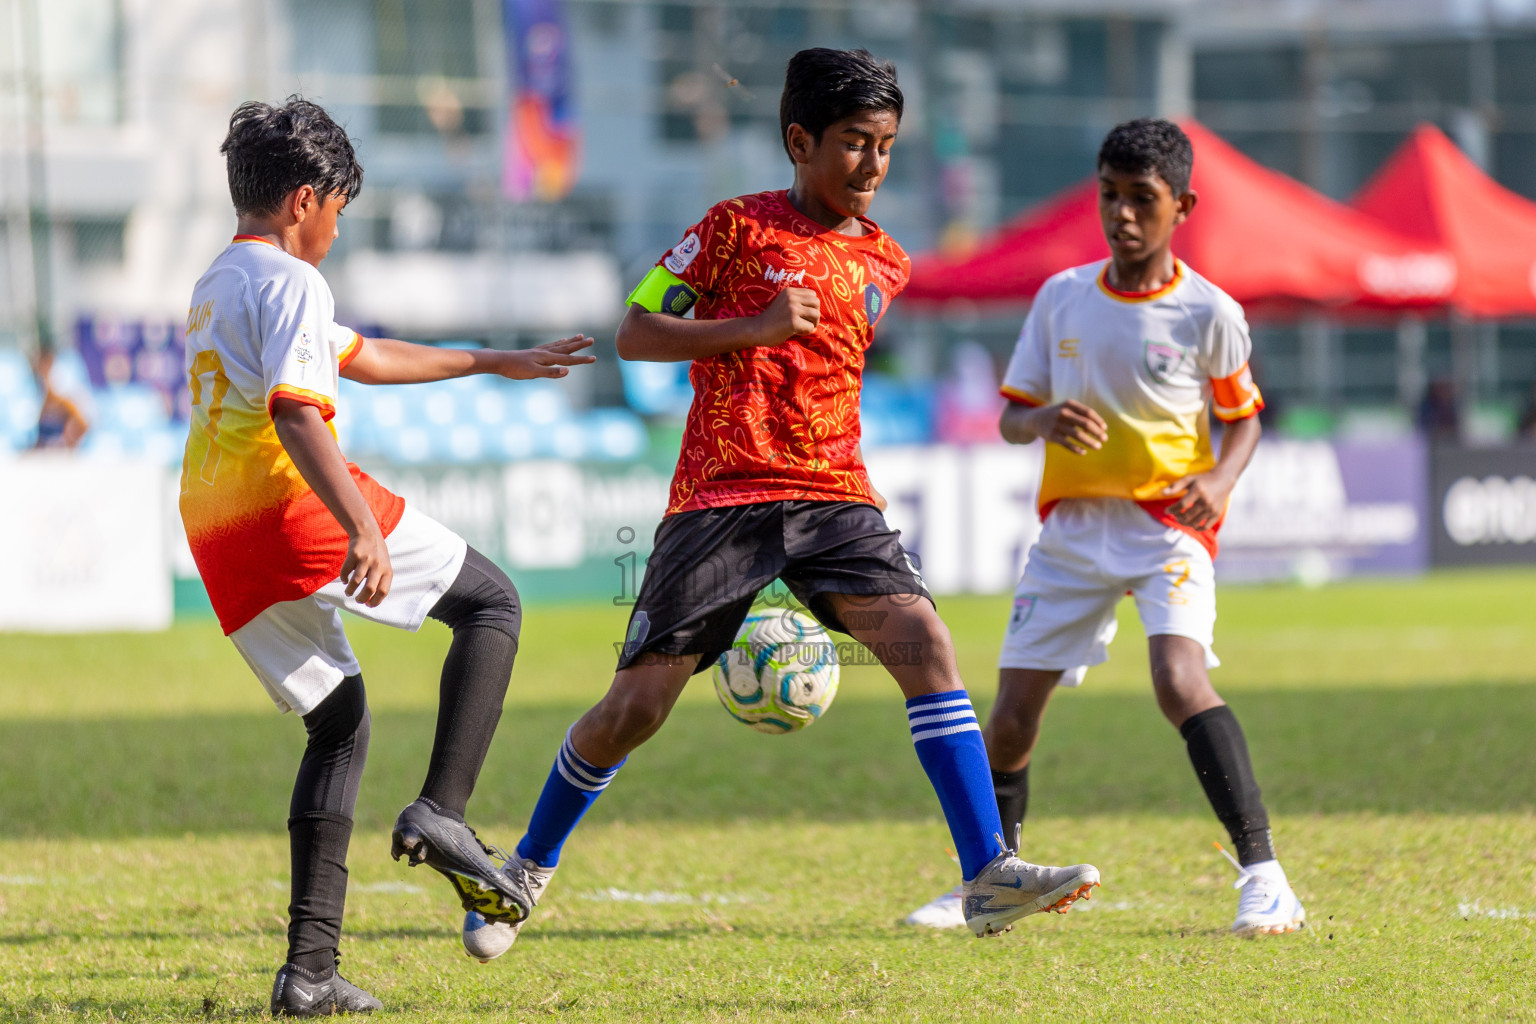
573, 785
949, 745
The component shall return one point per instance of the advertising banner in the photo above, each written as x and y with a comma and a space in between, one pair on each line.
582, 531
1483, 502
82, 545
1315, 510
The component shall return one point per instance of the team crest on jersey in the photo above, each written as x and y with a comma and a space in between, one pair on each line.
1164, 359
1023, 608
683, 253
874, 304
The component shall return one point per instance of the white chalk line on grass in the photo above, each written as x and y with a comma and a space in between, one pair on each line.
1476, 909
660, 897
19, 880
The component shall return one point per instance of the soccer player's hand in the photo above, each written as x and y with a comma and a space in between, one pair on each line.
367, 572
1071, 424
1202, 499
793, 311
551, 360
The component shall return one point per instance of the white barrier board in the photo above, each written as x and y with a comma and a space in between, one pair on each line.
82, 545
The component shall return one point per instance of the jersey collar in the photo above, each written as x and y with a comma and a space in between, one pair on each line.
1152, 296
254, 238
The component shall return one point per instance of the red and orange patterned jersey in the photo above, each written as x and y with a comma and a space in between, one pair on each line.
778, 423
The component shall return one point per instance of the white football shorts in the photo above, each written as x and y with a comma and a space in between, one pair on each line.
1091, 553
298, 649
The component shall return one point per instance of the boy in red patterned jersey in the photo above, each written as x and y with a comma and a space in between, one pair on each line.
787, 288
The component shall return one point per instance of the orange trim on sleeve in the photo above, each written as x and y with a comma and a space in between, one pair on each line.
1021, 397
325, 405
1236, 397
350, 353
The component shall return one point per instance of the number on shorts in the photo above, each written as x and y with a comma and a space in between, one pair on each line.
1180, 571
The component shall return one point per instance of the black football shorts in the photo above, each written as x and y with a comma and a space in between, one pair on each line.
709, 565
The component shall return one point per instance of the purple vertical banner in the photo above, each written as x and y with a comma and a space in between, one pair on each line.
543, 140
149, 352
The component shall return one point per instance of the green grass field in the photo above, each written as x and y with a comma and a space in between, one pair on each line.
729, 875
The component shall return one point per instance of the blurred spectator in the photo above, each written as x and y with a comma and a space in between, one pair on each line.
1439, 412
969, 403
60, 424
1526, 430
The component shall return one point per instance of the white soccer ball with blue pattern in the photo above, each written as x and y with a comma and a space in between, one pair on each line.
781, 674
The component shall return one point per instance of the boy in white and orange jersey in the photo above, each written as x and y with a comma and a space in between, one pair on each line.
286, 533
1118, 368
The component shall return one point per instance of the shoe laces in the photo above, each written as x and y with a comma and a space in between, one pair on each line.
490, 850
1254, 896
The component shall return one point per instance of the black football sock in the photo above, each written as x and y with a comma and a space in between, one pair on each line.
1012, 789
1219, 753
317, 845
320, 823
483, 609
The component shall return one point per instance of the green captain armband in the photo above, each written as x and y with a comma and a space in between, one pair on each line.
662, 291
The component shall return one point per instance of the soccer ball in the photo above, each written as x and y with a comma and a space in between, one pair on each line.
780, 674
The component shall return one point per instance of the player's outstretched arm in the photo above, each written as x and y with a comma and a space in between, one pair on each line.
650, 337
1204, 495
1071, 424
309, 443
388, 361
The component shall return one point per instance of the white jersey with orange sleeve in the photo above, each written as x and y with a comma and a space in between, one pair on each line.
1150, 364
261, 328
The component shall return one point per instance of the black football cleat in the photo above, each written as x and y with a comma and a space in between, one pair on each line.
301, 993
425, 835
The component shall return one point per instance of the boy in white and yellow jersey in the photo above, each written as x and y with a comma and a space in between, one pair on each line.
1119, 367
287, 534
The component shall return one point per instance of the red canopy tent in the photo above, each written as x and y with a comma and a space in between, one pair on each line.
1431, 192
1268, 240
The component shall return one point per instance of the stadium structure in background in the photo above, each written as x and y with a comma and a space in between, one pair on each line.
113, 194
113, 197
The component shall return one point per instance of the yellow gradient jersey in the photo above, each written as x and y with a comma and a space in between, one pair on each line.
1151, 364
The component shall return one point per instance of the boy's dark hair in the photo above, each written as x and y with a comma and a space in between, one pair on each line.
822, 86
1150, 144
270, 151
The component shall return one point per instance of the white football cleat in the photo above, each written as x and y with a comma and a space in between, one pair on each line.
485, 939
1266, 905
948, 911
1008, 889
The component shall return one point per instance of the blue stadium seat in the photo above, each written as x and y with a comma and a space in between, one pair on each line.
615, 434
895, 413
656, 389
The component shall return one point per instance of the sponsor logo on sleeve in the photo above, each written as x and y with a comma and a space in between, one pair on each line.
683, 253
303, 348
